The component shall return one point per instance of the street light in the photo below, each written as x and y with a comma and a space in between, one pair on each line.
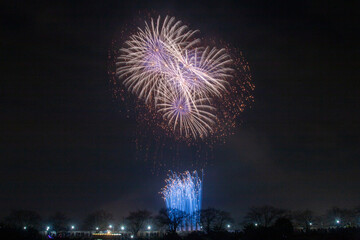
337, 221
122, 228
149, 227
47, 228
256, 224
310, 223
72, 227
228, 226
110, 226
97, 228
24, 227
132, 236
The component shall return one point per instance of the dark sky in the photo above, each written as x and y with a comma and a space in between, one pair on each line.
65, 145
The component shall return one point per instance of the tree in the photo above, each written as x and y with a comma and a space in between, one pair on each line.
207, 218
283, 228
23, 218
136, 220
340, 217
172, 218
99, 219
303, 219
357, 214
59, 221
222, 218
264, 216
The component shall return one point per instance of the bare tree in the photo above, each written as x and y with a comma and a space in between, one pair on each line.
264, 216
23, 218
59, 221
136, 220
222, 218
340, 217
207, 218
303, 219
99, 219
172, 218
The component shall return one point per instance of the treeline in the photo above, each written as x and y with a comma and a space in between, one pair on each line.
266, 216
258, 221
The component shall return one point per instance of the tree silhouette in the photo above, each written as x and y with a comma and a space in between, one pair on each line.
283, 228
172, 218
23, 218
99, 219
207, 218
303, 219
340, 217
263, 216
222, 218
212, 219
136, 220
59, 221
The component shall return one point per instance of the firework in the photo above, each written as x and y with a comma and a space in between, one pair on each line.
165, 65
187, 115
183, 192
151, 56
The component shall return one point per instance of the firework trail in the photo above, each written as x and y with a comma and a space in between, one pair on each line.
165, 65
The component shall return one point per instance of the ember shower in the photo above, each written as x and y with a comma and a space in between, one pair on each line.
183, 192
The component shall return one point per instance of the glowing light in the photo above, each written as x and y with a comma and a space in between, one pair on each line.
122, 228
25, 228
97, 228
337, 221
73, 227
110, 226
132, 236
47, 228
107, 234
228, 226
256, 224
149, 227
183, 192
310, 223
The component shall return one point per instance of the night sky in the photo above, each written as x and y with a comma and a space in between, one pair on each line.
66, 145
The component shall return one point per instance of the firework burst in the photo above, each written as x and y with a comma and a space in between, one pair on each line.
187, 84
187, 115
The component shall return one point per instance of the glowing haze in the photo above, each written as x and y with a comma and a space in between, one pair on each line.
165, 65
